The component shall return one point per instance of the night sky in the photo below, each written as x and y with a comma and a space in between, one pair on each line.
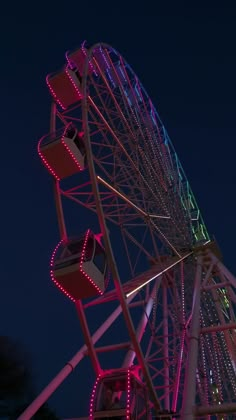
185, 58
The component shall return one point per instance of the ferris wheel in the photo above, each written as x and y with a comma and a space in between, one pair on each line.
148, 282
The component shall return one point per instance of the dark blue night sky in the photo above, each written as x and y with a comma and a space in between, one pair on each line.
185, 58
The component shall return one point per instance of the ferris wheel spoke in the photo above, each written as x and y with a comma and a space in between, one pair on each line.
140, 329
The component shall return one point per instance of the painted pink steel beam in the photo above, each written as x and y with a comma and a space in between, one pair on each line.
191, 367
158, 274
129, 358
113, 347
87, 337
224, 270
216, 328
127, 200
178, 374
53, 117
68, 368
216, 285
59, 209
216, 409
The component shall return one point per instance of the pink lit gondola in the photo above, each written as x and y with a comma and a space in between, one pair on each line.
65, 86
119, 394
63, 152
79, 267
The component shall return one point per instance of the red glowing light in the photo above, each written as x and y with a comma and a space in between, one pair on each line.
91, 67
53, 93
73, 83
128, 396
52, 274
45, 161
91, 405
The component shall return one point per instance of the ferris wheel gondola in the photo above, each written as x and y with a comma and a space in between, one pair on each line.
118, 394
63, 152
79, 267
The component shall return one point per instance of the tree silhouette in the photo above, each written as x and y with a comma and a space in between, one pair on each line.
16, 384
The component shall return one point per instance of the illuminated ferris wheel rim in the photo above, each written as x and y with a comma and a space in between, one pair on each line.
199, 232
149, 156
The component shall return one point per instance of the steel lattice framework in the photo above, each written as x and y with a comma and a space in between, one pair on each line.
167, 279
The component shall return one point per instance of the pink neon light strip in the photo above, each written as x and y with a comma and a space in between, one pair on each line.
52, 275
91, 66
80, 267
67, 149
91, 405
73, 83
176, 393
128, 396
53, 93
128, 406
46, 164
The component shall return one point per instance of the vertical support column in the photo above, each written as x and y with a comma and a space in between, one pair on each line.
166, 348
191, 367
